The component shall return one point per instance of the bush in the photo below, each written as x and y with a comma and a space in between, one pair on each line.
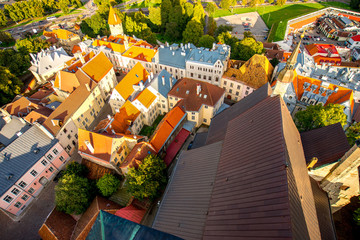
76, 169
108, 184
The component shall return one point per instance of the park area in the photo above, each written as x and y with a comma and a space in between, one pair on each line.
276, 17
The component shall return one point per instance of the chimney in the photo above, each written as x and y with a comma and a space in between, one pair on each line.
181, 45
149, 78
198, 88
82, 59
173, 53
87, 87
170, 80
312, 163
163, 80
89, 146
109, 117
141, 84
152, 75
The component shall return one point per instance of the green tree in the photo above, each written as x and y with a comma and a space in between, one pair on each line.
10, 85
29, 45
108, 184
16, 62
356, 216
354, 4
6, 37
148, 179
211, 26
75, 168
227, 38
253, 3
193, 32
211, 8
177, 16
270, 1
353, 133
95, 25
223, 28
225, 4
206, 41
247, 48
166, 8
199, 13
261, 1
189, 10
171, 32
155, 16
244, 2
280, 2
73, 194
274, 62
316, 116
3, 18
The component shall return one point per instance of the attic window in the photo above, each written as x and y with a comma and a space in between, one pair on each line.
205, 96
9, 176
136, 75
177, 89
187, 91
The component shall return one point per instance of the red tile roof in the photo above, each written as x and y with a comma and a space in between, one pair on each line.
137, 155
131, 213
185, 89
328, 144
166, 127
321, 48
356, 38
21, 107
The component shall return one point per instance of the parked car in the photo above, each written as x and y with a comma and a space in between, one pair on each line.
190, 145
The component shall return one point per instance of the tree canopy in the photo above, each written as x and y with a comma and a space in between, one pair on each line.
76, 169
108, 184
206, 41
193, 32
247, 48
29, 45
280, 2
211, 8
316, 116
9, 85
353, 133
148, 179
73, 194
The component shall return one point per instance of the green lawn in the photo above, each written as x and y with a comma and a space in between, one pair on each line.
149, 130
279, 15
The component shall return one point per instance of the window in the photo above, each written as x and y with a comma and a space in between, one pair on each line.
68, 147
191, 74
206, 107
69, 136
8, 199
217, 79
15, 191
199, 75
238, 87
84, 123
74, 143
78, 119
18, 204
65, 131
61, 158
55, 151
193, 117
204, 77
49, 156
44, 162
22, 184
31, 190
25, 197
51, 169
237, 93
34, 173
86, 119
76, 136
171, 105
247, 92
163, 106
205, 120
231, 84
230, 90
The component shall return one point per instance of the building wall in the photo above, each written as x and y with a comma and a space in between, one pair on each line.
107, 83
205, 72
177, 73
116, 101
235, 90
129, 63
82, 118
35, 179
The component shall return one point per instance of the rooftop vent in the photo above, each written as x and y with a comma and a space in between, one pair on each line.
9, 176
36, 150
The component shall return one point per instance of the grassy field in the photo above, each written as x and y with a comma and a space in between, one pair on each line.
279, 15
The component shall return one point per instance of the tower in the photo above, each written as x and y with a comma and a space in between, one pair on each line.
287, 75
115, 23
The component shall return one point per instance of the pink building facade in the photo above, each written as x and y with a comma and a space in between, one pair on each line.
48, 160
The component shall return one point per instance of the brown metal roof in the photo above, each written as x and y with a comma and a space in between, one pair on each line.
185, 89
219, 122
262, 189
323, 211
58, 225
185, 204
328, 144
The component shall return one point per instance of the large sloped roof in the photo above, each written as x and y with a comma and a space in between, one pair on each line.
98, 67
262, 188
184, 207
328, 144
219, 122
113, 17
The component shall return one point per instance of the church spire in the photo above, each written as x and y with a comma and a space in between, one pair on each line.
115, 23
290, 63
